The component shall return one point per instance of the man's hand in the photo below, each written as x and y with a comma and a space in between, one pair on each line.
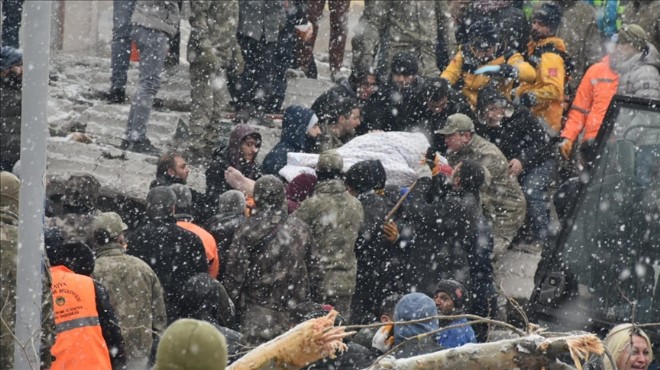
391, 231
234, 177
383, 339
515, 167
565, 148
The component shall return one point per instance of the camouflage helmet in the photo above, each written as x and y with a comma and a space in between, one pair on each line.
9, 186
82, 190
111, 223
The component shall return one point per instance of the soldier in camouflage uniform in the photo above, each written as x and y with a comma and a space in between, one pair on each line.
272, 265
412, 26
133, 287
79, 207
502, 199
213, 52
9, 186
336, 219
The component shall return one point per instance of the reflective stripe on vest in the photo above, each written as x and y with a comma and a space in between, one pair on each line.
79, 343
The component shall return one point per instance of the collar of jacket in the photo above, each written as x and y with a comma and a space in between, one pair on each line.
110, 249
185, 217
166, 220
330, 187
8, 217
556, 41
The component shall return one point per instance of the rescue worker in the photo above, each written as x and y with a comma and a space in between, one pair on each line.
213, 52
88, 336
547, 53
484, 60
503, 201
133, 288
631, 69
644, 14
339, 123
336, 218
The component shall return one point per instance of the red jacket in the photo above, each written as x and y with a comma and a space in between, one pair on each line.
591, 102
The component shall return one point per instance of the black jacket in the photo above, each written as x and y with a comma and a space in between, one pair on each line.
223, 227
204, 298
394, 107
509, 20
374, 253
173, 253
416, 347
451, 235
109, 327
520, 136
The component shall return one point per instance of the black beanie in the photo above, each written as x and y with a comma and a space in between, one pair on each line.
455, 290
550, 15
483, 33
379, 174
360, 177
404, 64
489, 95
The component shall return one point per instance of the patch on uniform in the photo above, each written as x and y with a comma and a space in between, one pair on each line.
552, 72
60, 301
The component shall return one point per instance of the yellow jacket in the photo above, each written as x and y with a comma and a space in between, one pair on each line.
473, 83
548, 88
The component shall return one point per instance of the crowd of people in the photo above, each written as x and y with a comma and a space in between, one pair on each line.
502, 97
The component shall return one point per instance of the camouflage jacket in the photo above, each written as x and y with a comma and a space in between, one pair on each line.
411, 25
501, 196
213, 26
271, 267
137, 297
336, 218
8, 270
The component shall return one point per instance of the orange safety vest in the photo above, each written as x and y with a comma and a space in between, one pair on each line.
79, 343
210, 246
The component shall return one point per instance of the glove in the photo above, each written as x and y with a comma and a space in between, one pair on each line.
237, 64
565, 148
424, 171
207, 58
527, 100
391, 231
383, 339
501, 71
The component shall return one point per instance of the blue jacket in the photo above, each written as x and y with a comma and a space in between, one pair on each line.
294, 134
458, 336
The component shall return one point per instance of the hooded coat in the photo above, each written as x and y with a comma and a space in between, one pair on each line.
453, 235
519, 135
415, 306
510, 22
293, 139
373, 251
272, 265
173, 253
638, 76
231, 155
223, 226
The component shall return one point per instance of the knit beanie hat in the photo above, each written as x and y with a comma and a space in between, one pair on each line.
455, 290
9, 186
404, 64
360, 177
190, 344
634, 35
550, 15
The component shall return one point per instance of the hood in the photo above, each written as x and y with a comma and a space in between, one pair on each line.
301, 187
236, 137
201, 299
414, 306
231, 202
190, 344
294, 125
269, 193
651, 58
556, 41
